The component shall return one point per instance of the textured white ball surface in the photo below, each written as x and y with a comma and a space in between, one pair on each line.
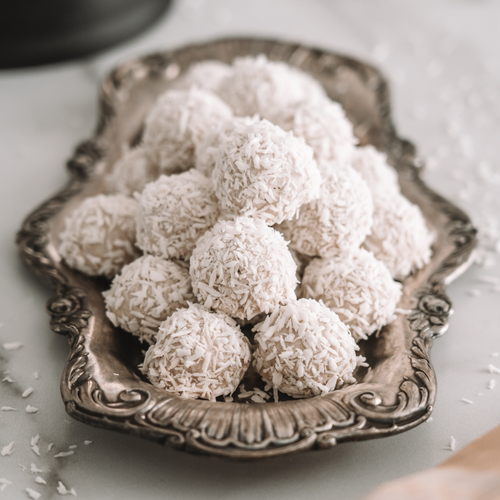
145, 293
263, 87
339, 219
206, 75
400, 237
263, 172
323, 125
198, 354
356, 286
131, 172
242, 268
373, 167
179, 120
174, 212
305, 350
99, 235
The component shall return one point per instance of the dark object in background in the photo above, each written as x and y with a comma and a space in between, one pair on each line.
34, 32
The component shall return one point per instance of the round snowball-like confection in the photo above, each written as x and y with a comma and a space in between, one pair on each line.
373, 167
206, 75
198, 354
174, 212
99, 235
145, 293
131, 172
179, 120
399, 237
356, 286
242, 267
264, 172
303, 350
323, 125
340, 219
259, 86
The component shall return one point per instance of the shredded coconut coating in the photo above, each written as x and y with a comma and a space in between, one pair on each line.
131, 172
145, 293
179, 120
242, 268
323, 125
263, 172
206, 75
263, 87
174, 212
400, 237
339, 220
198, 354
373, 167
207, 150
99, 235
356, 286
305, 350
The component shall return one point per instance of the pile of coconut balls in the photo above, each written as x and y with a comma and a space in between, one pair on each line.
247, 203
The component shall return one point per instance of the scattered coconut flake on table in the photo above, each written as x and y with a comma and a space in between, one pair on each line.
34, 444
34, 469
494, 369
8, 449
491, 383
468, 401
12, 346
62, 490
32, 493
64, 454
452, 444
27, 392
4, 483
8, 379
87, 442
50, 445
40, 480
23, 468
72, 446
8, 408
31, 409
36, 375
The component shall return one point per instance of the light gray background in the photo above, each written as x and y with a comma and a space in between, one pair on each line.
441, 58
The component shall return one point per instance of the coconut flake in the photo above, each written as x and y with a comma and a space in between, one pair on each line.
7, 449
33, 493
31, 409
12, 346
64, 454
27, 392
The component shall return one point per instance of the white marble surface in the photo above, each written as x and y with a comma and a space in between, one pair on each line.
441, 58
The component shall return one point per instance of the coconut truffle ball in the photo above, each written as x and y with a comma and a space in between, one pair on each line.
263, 172
198, 354
356, 286
179, 120
145, 293
400, 237
174, 212
373, 167
340, 219
131, 172
323, 125
305, 350
99, 235
260, 86
242, 268
206, 75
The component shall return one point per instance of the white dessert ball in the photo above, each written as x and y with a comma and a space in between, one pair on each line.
145, 293
303, 350
263, 87
323, 125
356, 286
174, 212
206, 75
263, 172
131, 172
373, 167
198, 354
179, 120
99, 235
242, 267
339, 219
400, 237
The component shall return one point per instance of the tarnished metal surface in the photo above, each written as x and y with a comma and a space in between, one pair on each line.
101, 384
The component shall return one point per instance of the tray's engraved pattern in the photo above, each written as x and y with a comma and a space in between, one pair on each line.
246, 430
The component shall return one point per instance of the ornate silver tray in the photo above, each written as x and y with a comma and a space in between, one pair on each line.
101, 384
